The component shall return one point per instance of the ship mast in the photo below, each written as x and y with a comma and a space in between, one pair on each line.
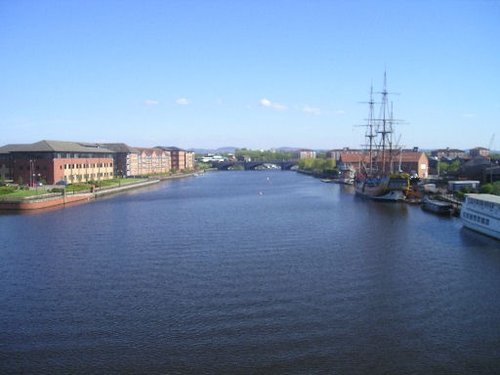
385, 125
370, 133
391, 148
379, 133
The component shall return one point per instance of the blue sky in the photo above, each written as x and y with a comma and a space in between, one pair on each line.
256, 74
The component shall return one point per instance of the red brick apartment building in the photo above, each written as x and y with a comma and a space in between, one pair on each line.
181, 160
54, 161
152, 161
450, 153
413, 162
306, 154
125, 157
479, 151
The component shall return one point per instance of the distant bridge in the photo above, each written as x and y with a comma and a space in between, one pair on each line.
251, 165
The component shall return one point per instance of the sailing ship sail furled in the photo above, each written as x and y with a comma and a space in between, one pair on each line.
376, 177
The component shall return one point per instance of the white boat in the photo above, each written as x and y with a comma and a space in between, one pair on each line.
481, 212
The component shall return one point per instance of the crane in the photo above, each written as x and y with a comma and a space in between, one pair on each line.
492, 139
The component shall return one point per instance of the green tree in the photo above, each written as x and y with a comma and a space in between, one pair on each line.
493, 188
307, 164
263, 155
319, 166
454, 165
443, 167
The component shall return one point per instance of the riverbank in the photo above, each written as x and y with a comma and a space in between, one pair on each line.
62, 199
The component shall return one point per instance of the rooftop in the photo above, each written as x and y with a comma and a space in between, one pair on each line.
170, 148
119, 147
486, 197
55, 146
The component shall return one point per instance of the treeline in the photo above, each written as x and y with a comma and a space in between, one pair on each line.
257, 155
319, 166
491, 188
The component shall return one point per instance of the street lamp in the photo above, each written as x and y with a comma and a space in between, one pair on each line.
31, 173
36, 179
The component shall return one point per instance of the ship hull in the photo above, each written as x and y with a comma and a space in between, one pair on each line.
390, 196
383, 189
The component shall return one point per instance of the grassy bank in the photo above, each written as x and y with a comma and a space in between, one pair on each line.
8, 192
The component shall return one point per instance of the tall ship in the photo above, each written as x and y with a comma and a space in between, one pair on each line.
481, 212
377, 177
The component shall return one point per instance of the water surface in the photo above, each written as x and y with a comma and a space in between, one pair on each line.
246, 272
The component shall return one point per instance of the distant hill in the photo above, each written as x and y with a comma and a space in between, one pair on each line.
232, 150
229, 149
287, 149
220, 150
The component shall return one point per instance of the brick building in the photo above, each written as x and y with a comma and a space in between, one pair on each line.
307, 154
410, 161
53, 161
479, 151
449, 153
153, 161
336, 153
350, 159
181, 160
72, 162
414, 162
125, 157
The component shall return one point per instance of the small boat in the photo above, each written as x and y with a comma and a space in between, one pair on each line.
437, 207
481, 212
413, 200
347, 181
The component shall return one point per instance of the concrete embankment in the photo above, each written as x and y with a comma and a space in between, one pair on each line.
61, 199
117, 189
51, 200
37, 203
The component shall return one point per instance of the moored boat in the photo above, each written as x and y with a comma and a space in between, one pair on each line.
481, 212
437, 207
376, 178
386, 188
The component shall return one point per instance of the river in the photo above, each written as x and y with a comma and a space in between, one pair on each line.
246, 272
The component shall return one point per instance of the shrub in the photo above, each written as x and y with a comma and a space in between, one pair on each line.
6, 190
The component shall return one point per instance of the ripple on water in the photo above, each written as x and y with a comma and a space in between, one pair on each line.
206, 275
